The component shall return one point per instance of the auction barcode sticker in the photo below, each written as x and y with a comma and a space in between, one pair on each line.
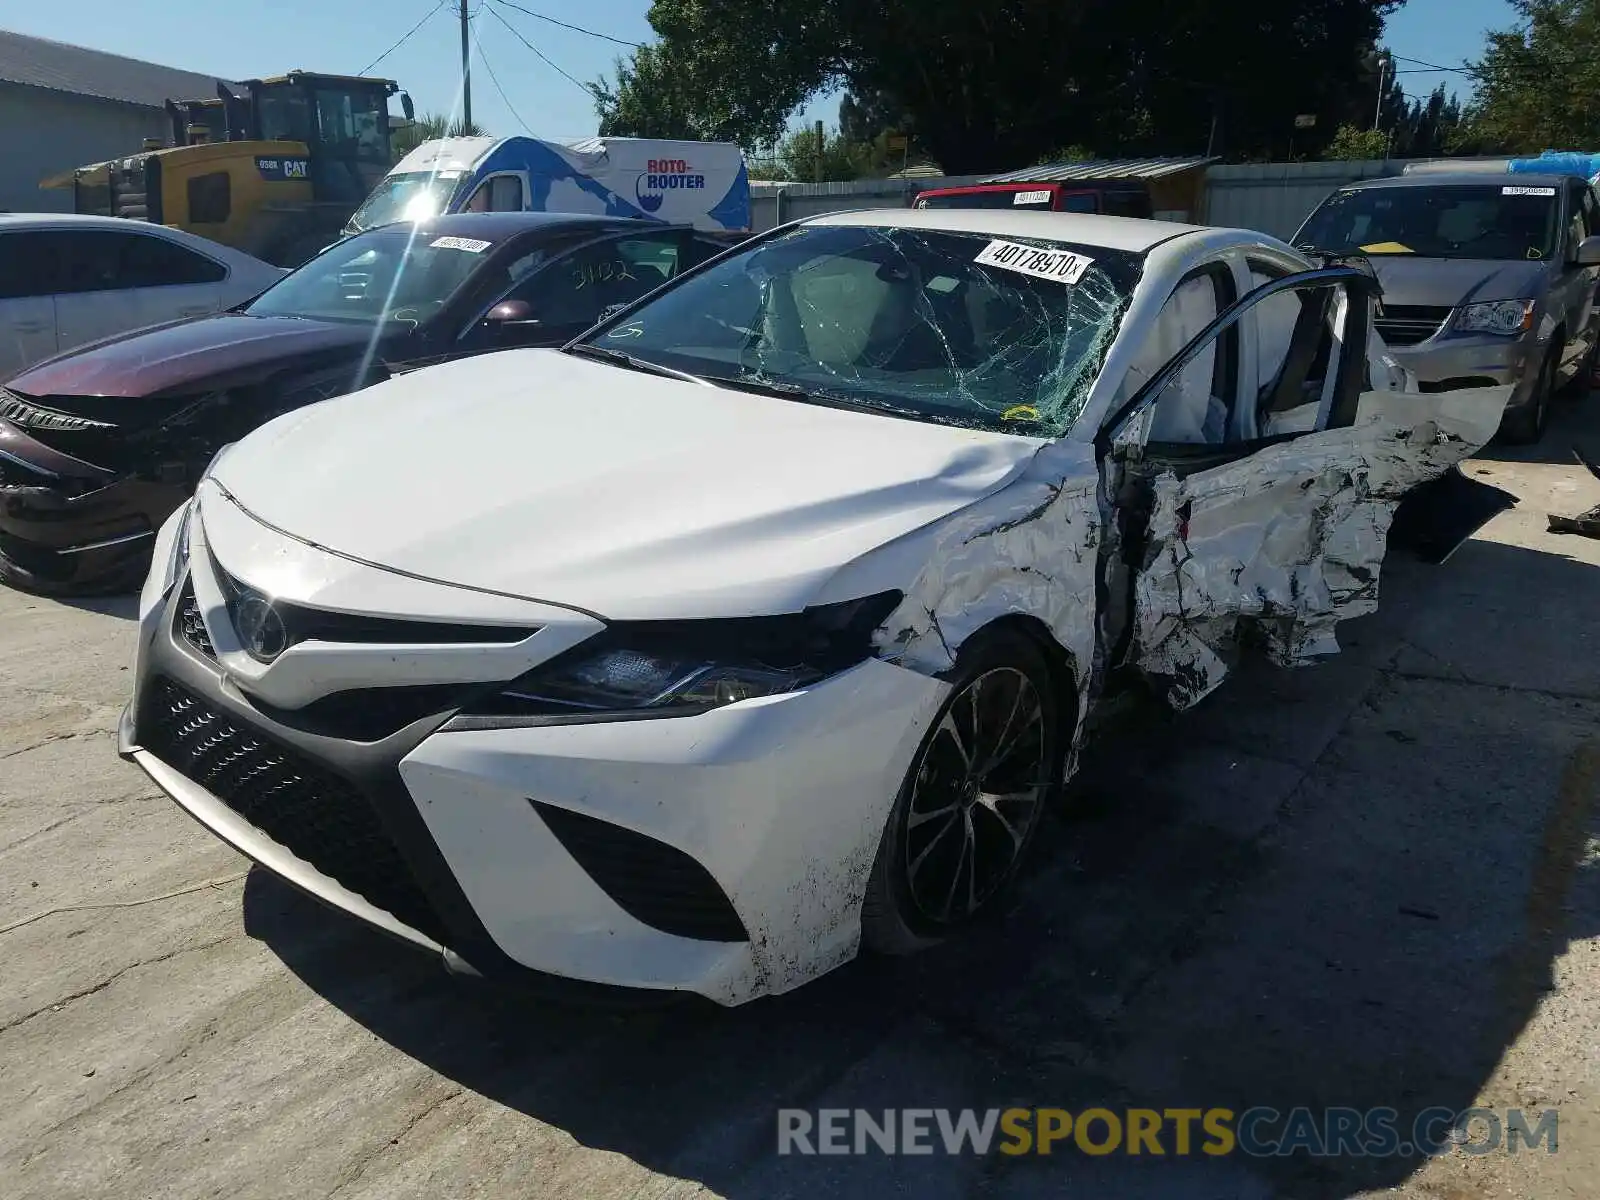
1063, 266
1031, 197
470, 245
1527, 191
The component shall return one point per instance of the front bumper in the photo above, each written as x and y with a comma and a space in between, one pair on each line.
724, 854
1474, 362
68, 525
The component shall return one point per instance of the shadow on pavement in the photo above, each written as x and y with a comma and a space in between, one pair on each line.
1235, 913
122, 606
1574, 420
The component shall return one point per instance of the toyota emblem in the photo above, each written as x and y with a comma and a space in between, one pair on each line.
260, 627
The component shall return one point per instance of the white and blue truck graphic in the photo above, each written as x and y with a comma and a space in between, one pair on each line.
703, 184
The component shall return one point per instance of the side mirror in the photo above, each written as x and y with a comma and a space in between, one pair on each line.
509, 313
407, 107
1588, 252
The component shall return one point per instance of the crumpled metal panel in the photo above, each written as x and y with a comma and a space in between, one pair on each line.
1288, 542
1031, 550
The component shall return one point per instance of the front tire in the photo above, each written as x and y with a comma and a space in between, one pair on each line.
1527, 425
972, 799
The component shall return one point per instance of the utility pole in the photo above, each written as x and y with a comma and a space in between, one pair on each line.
1383, 67
820, 146
466, 71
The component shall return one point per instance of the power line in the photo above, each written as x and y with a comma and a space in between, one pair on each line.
495, 79
408, 34
605, 37
517, 33
1461, 70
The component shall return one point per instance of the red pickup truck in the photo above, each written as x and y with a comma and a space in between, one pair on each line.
1117, 198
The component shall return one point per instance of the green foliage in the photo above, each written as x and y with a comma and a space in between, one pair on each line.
1073, 153
428, 127
1539, 82
989, 84
1352, 143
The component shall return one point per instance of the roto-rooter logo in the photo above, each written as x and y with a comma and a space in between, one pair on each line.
663, 175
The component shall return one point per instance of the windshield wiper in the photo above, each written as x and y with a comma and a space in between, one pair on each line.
606, 354
810, 395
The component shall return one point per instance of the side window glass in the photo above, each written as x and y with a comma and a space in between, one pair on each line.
29, 265
156, 262
92, 262
1081, 202
505, 194
1196, 405
1576, 225
578, 288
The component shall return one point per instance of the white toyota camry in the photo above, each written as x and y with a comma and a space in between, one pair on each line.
760, 624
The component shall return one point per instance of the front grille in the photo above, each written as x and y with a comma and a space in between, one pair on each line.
651, 881
303, 624
1408, 324
371, 714
314, 813
188, 624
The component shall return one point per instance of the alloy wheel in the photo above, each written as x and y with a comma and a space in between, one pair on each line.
979, 788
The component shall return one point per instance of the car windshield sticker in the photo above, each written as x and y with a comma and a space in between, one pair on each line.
1032, 197
1063, 266
470, 245
1527, 191
449, 174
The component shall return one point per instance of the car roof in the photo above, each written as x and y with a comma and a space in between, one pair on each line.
1463, 179
72, 221
1114, 233
499, 225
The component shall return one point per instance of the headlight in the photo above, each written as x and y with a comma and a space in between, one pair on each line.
1506, 317
179, 562
678, 668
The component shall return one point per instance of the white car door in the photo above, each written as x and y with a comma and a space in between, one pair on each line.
116, 282
1274, 532
27, 305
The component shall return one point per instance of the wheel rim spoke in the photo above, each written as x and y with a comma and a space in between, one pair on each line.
984, 773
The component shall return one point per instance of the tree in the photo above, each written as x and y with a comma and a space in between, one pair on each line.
986, 84
1353, 143
427, 128
1539, 82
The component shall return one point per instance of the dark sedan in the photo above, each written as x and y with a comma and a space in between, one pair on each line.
98, 446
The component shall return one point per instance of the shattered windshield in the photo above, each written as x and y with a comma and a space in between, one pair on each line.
956, 328
1498, 221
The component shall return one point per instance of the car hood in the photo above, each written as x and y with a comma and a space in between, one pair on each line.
1448, 282
541, 475
167, 358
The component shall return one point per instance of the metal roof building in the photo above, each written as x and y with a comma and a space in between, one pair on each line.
62, 106
1105, 169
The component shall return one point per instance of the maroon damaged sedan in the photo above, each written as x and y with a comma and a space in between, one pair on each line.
99, 445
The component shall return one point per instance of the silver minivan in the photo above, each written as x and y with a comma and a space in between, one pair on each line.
1487, 279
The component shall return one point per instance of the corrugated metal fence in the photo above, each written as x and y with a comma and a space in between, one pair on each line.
1276, 197
1272, 197
774, 203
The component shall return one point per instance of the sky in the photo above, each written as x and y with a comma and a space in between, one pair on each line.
513, 89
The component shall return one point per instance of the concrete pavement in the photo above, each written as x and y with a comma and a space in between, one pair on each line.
1376, 882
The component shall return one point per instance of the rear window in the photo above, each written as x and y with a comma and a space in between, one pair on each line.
1040, 198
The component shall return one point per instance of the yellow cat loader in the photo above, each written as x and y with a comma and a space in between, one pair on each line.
275, 170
